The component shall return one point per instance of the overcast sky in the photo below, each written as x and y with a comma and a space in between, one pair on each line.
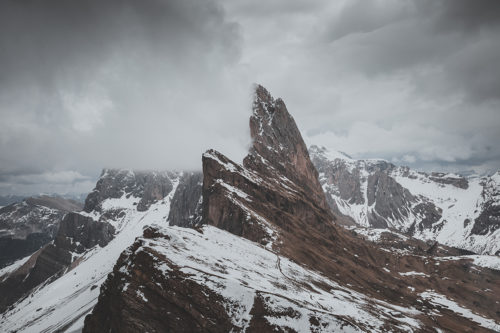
152, 84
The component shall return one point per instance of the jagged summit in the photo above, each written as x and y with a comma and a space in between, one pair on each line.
278, 145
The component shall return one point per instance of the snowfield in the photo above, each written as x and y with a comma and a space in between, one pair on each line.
239, 269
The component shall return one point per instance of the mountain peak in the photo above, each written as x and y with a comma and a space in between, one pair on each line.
271, 126
278, 146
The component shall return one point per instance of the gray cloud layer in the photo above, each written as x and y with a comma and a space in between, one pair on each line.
153, 83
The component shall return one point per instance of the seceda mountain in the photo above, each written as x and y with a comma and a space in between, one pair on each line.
249, 247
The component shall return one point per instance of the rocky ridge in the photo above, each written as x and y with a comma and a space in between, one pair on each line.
58, 285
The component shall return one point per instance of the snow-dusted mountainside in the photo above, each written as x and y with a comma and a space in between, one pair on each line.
62, 300
239, 279
242, 247
453, 210
28, 225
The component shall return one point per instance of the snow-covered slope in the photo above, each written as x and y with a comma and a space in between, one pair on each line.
460, 223
245, 273
63, 303
453, 210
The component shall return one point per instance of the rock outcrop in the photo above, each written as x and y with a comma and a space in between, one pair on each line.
151, 300
442, 178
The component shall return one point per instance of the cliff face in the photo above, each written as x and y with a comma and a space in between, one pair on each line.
276, 187
278, 149
185, 209
488, 221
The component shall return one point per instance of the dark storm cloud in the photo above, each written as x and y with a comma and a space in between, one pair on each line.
458, 36
153, 83
475, 68
91, 84
365, 16
462, 15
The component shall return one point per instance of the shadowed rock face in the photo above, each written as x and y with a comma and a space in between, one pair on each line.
28, 225
489, 219
185, 209
76, 234
149, 187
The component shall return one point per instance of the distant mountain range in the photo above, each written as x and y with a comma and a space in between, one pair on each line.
10, 199
462, 212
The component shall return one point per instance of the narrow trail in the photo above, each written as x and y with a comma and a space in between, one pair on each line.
278, 264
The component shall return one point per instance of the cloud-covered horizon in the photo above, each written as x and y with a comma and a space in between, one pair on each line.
152, 84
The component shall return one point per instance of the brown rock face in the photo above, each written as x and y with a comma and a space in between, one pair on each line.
278, 147
277, 186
